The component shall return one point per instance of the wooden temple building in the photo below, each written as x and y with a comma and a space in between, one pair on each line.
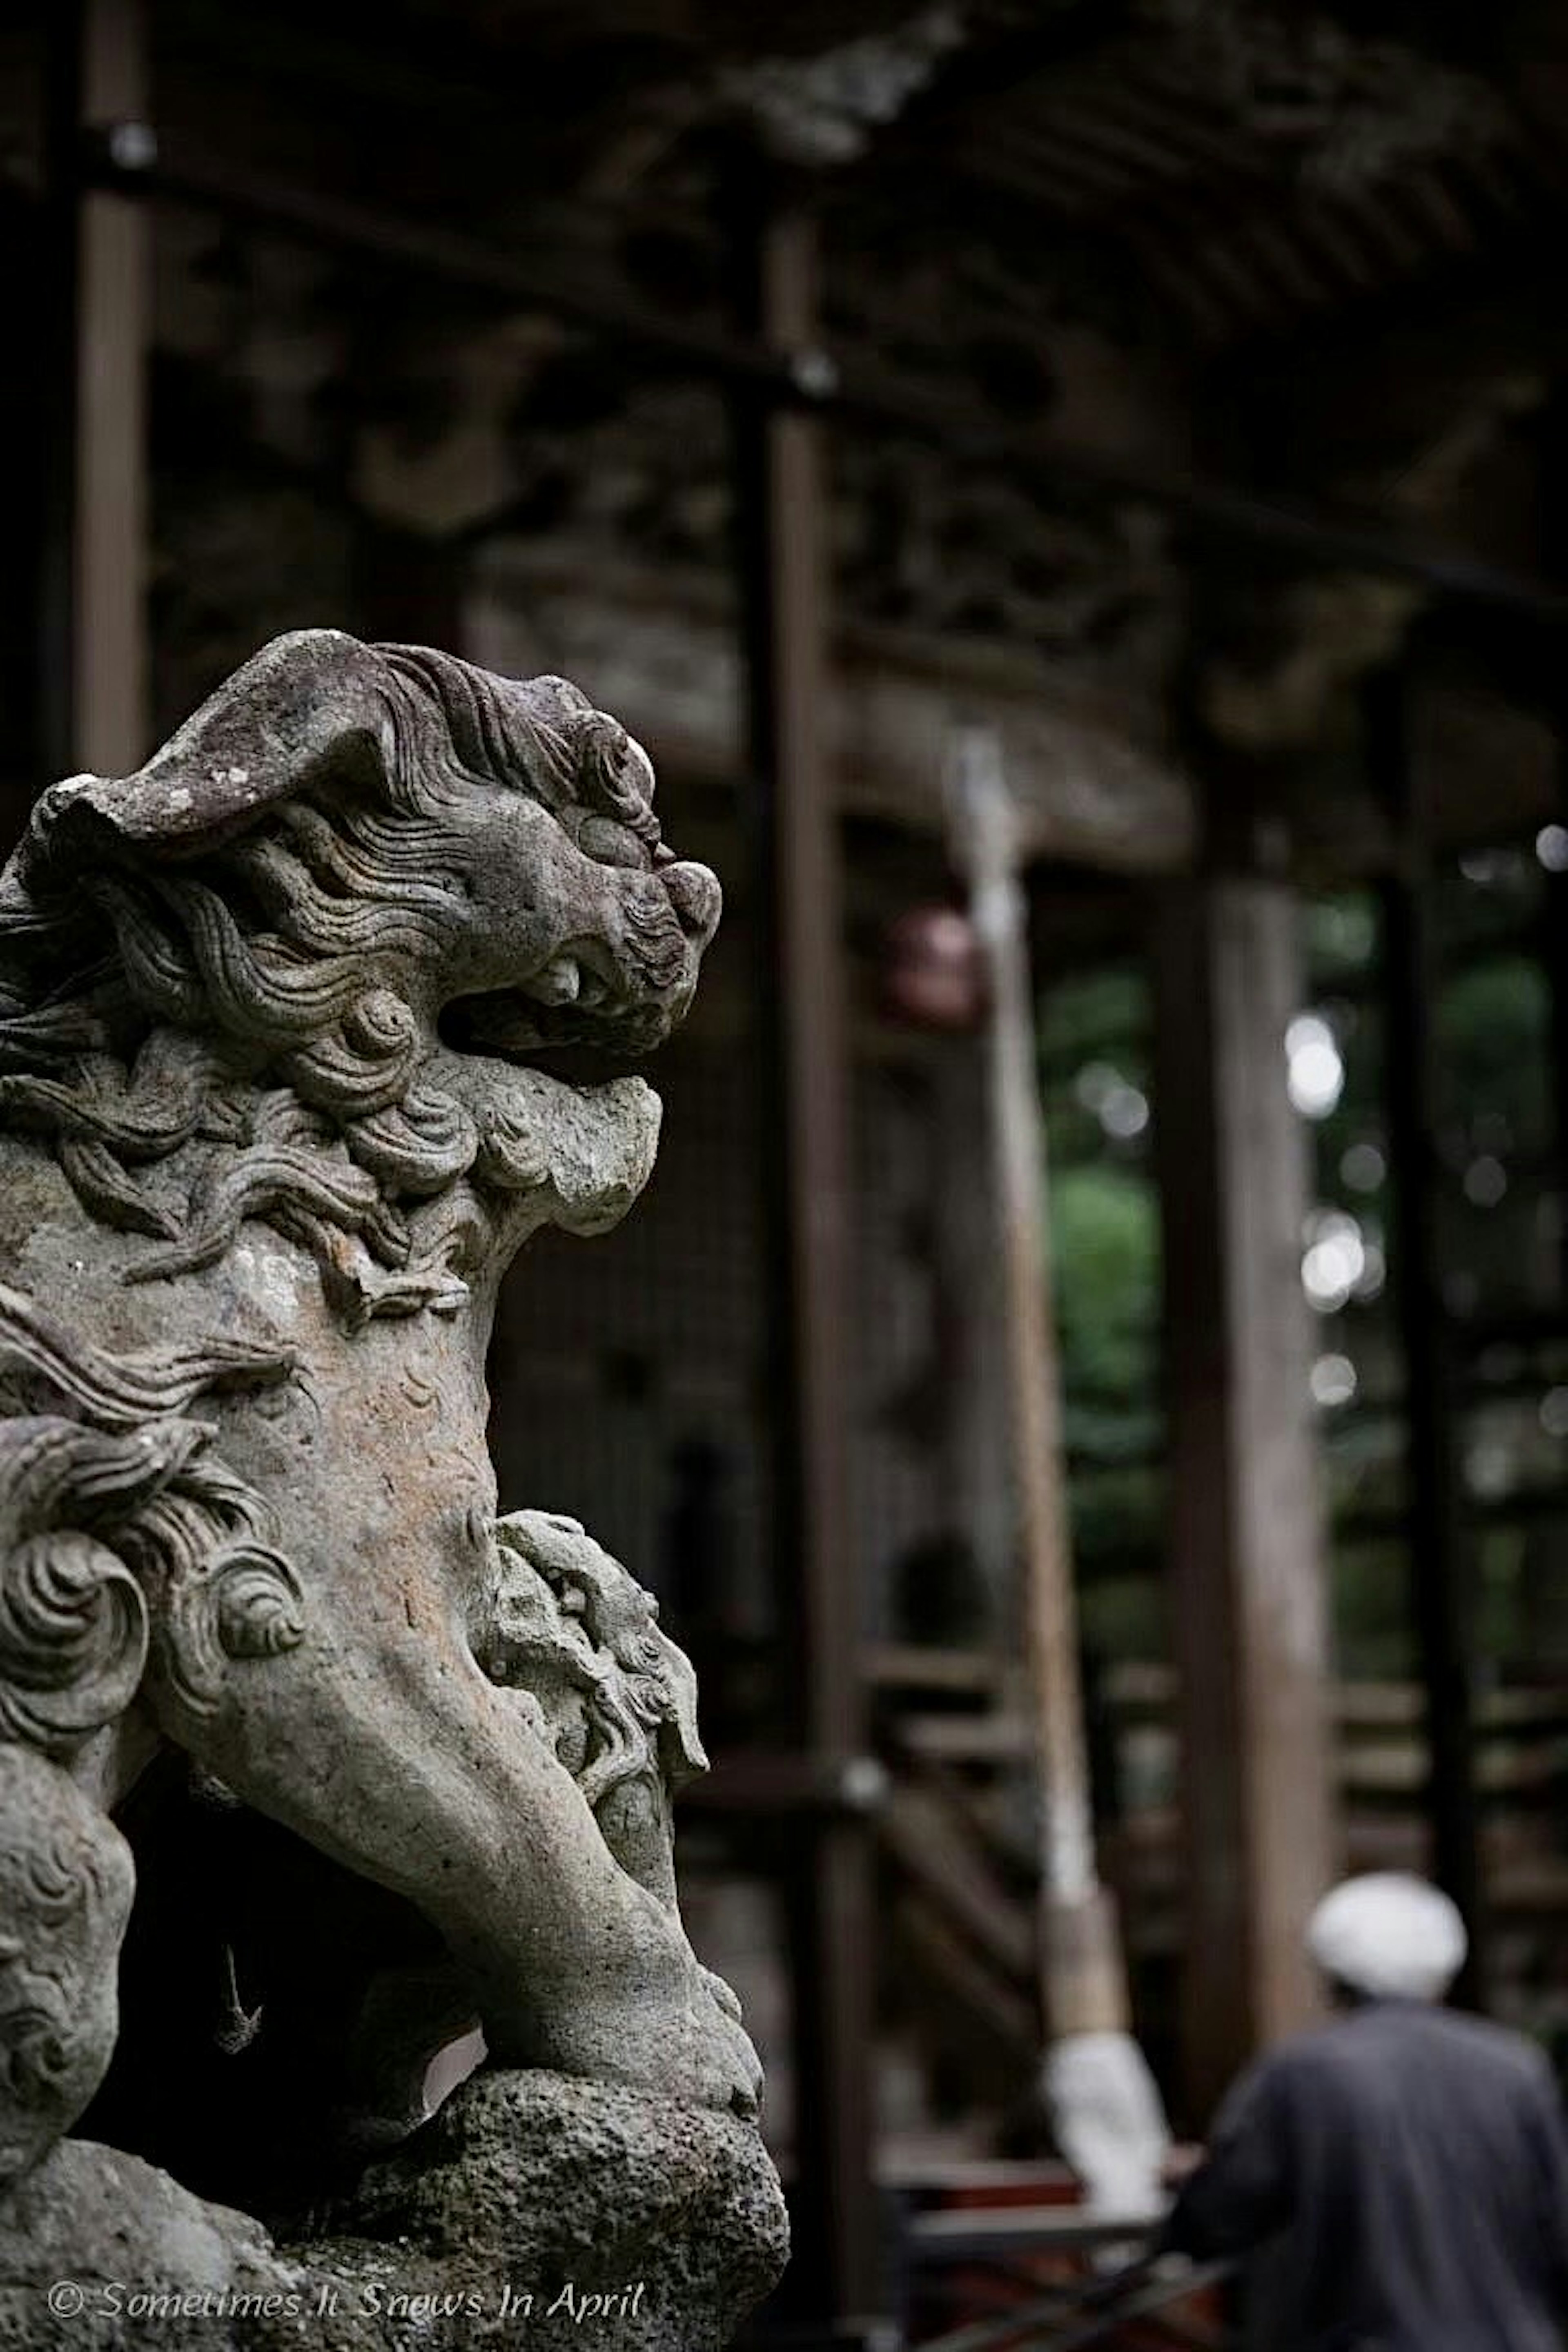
1176, 388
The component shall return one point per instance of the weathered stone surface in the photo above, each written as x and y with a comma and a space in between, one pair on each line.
89, 2229
540, 2184
531, 2204
267, 1146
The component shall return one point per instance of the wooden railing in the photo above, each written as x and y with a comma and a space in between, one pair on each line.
955, 1737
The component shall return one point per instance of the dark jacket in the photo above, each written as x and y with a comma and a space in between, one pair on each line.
1404, 2171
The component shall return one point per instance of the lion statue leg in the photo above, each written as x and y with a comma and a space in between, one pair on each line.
404, 1761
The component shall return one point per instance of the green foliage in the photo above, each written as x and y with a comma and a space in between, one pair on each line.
1494, 1053
1105, 1247
1493, 1048
1493, 1041
1341, 937
1084, 1015
1105, 1266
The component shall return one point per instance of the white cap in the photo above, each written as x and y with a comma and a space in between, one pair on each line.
1388, 1936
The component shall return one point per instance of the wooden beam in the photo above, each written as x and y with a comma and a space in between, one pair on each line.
803, 1065
858, 394
1245, 1539
660, 651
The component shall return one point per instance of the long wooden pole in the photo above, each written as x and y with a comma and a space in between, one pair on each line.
1104, 2106
1083, 1977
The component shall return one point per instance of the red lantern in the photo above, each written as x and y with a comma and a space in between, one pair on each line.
932, 973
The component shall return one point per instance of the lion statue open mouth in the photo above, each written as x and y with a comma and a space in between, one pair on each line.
268, 1141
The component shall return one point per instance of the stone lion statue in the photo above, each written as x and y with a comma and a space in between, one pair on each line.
269, 1139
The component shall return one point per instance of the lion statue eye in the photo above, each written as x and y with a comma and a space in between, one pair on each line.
609, 842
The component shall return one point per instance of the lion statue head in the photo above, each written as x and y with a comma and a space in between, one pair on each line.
283, 971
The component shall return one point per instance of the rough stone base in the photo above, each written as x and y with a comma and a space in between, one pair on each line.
532, 2209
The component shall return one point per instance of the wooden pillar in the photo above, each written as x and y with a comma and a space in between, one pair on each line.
1441, 1555
802, 1069
1246, 1549
93, 686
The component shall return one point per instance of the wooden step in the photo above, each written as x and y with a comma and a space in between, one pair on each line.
938, 1853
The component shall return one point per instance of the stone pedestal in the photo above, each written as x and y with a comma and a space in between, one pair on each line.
532, 2209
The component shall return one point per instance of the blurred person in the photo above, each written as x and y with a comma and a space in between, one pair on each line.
1395, 2180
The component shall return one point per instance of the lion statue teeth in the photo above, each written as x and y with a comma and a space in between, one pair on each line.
268, 1144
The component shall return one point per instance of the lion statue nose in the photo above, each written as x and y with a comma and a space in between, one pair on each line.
695, 895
